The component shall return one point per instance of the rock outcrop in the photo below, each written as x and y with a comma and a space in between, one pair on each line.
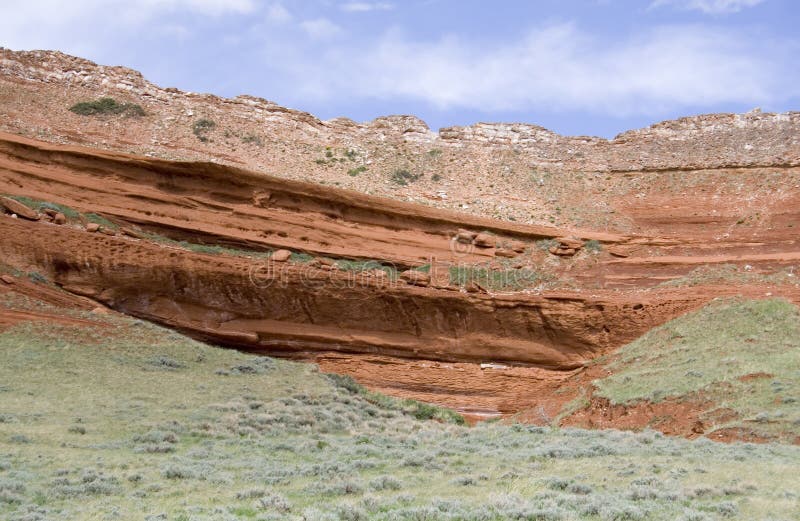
189, 241
518, 172
17, 208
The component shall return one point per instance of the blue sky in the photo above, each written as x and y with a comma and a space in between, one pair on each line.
590, 67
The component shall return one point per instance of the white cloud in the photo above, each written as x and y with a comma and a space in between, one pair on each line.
210, 7
278, 14
550, 68
321, 29
78, 26
557, 67
709, 6
360, 7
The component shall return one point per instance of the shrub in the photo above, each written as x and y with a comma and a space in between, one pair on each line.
402, 177
37, 277
341, 487
495, 279
9, 497
348, 512
201, 127
302, 258
252, 139
165, 362
419, 410
89, 483
157, 436
274, 502
257, 365
178, 472
385, 483
353, 172
546, 244
10, 492
345, 382
107, 106
593, 246
465, 481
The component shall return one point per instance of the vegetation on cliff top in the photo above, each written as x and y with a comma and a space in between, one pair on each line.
104, 106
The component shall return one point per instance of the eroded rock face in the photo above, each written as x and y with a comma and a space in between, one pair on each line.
518, 172
698, 142
219, 299
241, 301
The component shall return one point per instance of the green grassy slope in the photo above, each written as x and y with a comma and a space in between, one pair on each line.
124, 420
744, 356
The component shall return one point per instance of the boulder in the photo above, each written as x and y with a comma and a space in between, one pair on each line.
60, 218
517, 246
92, 227
49, 211
16, 207
281, 255
485, 240
465, 236
563, 252
108, 231
505, 252
570, 243
8, 279
416, 278
131, 232
618, 251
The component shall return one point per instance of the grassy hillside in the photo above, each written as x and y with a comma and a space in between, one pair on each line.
117, 419
743, 357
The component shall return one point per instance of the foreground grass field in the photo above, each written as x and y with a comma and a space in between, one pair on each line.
740, 357
117, 419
